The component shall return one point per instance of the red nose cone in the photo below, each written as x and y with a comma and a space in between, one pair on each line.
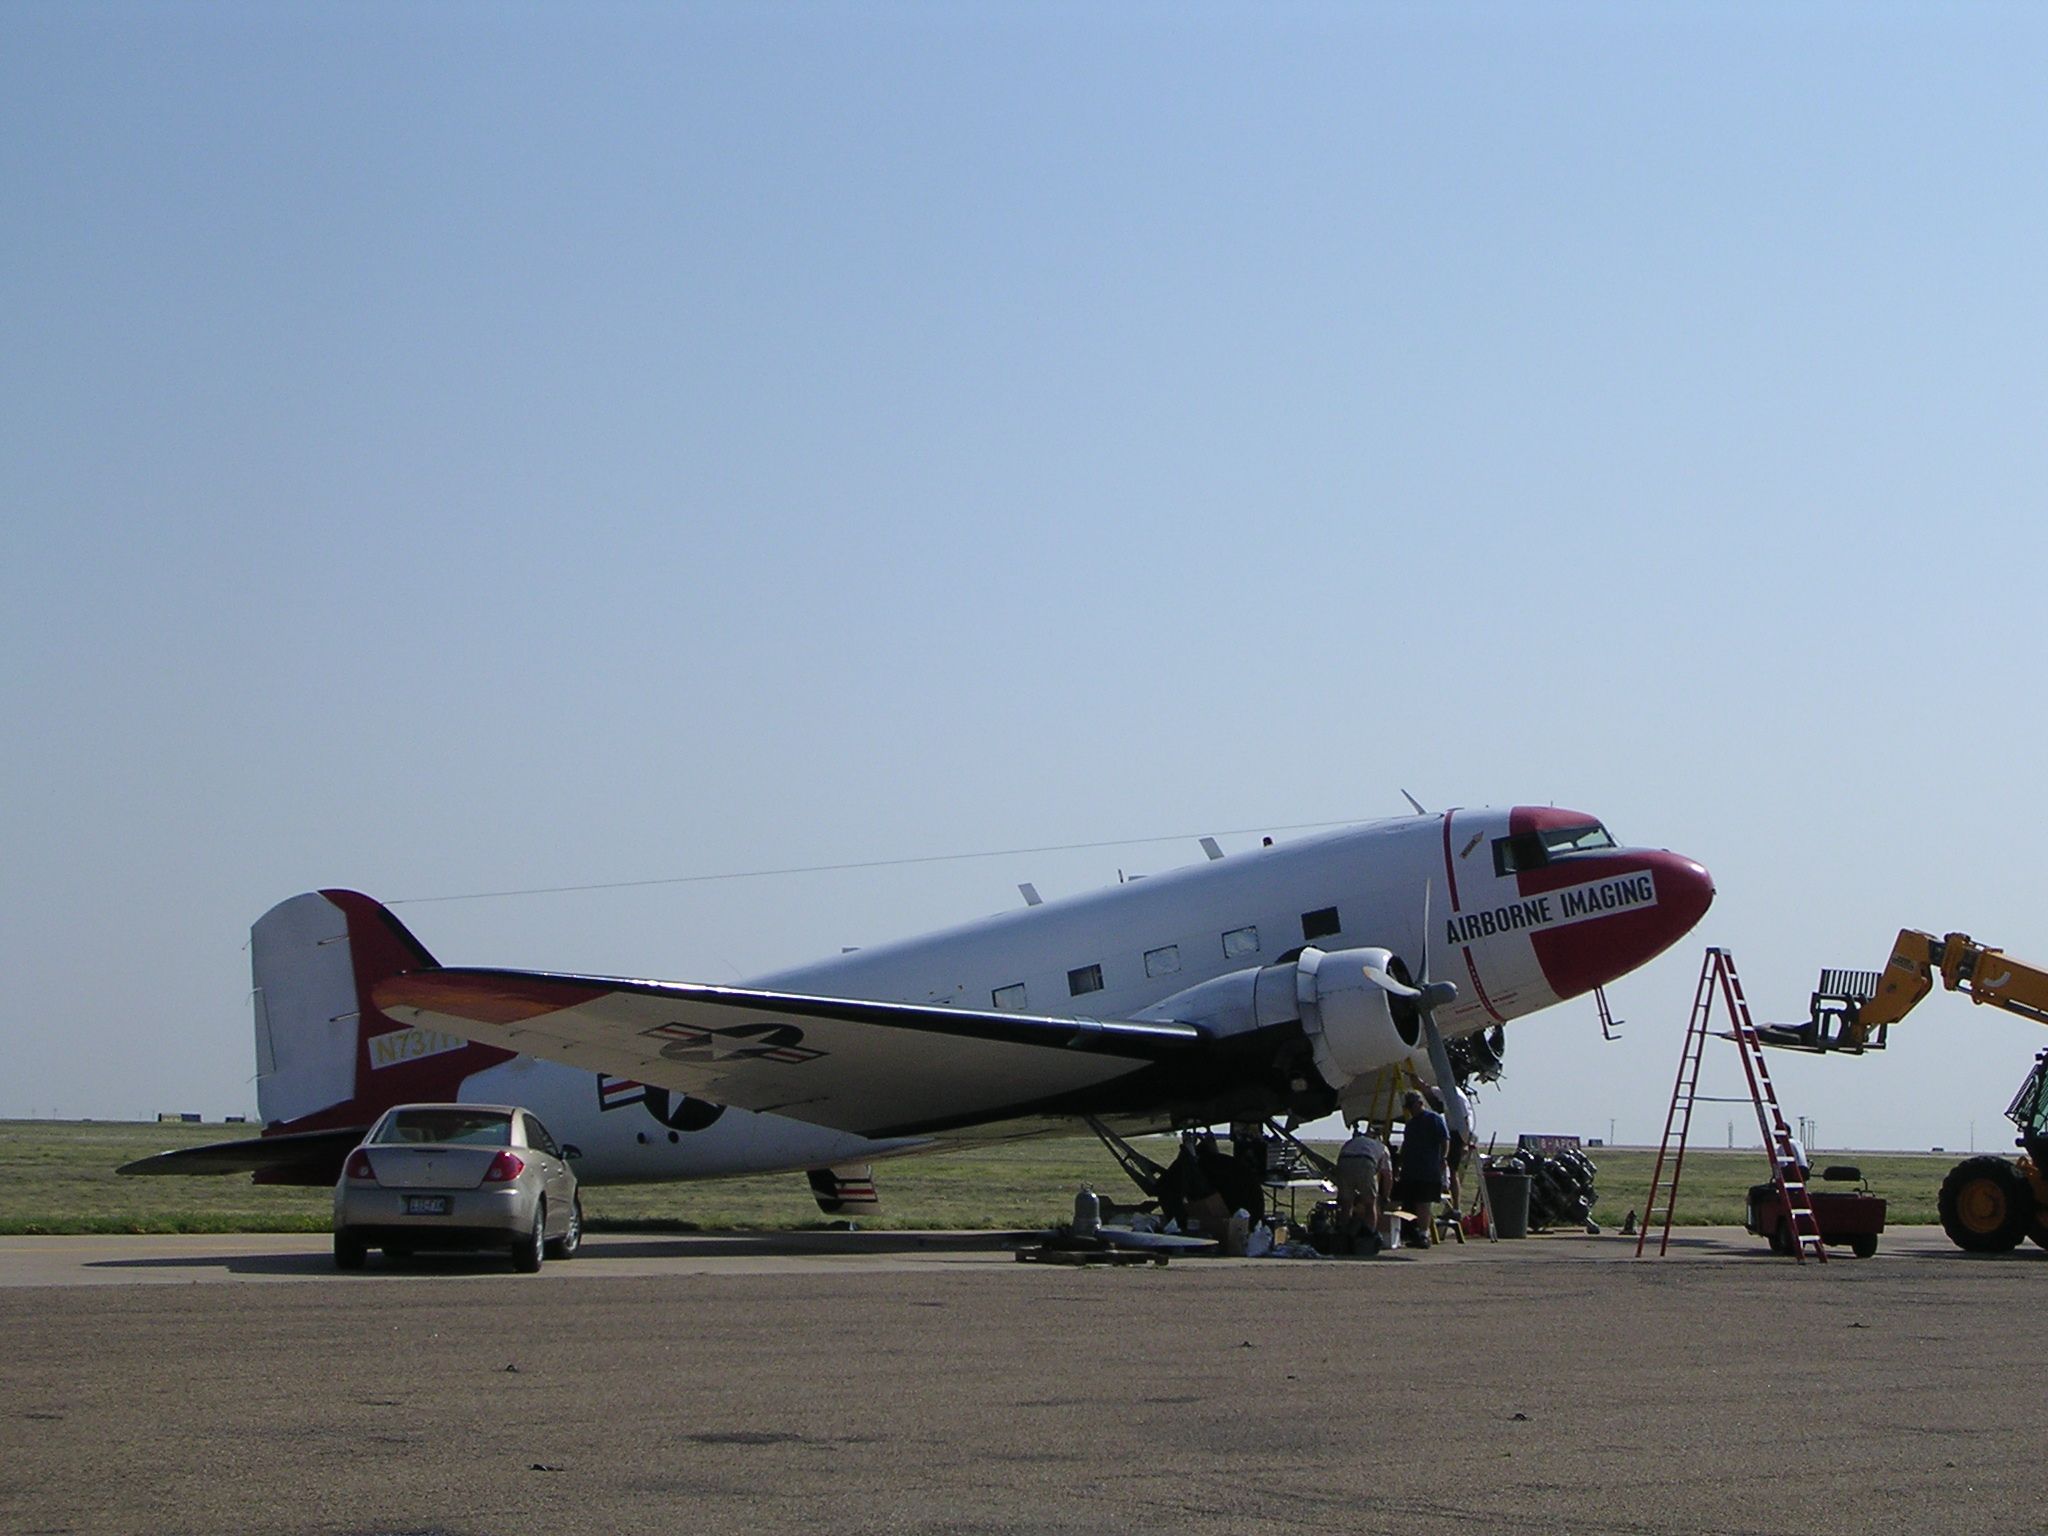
1658, 899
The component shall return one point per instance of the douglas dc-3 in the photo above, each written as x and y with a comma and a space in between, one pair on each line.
1289, 980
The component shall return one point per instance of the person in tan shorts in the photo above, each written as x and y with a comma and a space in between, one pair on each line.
1365, 1180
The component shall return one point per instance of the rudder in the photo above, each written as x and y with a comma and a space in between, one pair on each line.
325, 1057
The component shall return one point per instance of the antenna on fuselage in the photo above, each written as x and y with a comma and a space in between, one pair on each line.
1414, 802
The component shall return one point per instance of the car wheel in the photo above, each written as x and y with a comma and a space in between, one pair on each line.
532, 1248
349, 1251
1986, 1205
565, 1246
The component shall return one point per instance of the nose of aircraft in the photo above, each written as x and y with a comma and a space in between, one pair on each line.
1582, 956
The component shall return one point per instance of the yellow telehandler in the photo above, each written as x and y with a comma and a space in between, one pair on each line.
1988, 1204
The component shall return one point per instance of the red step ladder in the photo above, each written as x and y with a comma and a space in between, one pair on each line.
1719, 981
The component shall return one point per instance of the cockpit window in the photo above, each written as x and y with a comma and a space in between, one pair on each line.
1577, 839
1533, 850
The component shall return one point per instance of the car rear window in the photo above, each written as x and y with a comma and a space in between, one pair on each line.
465, 1127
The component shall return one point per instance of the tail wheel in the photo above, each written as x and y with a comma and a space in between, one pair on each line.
1986, 1205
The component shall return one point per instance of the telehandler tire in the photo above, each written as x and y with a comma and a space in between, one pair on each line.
1986, 1205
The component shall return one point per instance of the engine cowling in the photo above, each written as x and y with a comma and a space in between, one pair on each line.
1353, 1024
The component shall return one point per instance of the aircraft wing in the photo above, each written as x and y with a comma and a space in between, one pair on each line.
872, 1068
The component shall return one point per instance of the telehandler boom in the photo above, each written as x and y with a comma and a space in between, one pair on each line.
1987, 1204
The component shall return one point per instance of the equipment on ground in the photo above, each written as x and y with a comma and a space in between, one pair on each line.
1561, 1192
1988, 1204
1718, 981
1848, 1218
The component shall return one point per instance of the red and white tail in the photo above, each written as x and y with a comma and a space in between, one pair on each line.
325, 1057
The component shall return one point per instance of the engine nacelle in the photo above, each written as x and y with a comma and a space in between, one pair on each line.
1354, 1025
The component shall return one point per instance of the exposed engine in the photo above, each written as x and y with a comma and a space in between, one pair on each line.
1351, 1025
1354, 1025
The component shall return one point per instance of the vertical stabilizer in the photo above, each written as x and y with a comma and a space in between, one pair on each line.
323, 1056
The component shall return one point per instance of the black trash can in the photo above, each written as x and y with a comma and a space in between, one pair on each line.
1508, 1194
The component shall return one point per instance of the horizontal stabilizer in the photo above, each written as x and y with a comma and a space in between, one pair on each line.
301, 1157
873, 1068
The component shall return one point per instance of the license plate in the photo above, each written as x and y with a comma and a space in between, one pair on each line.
426, 1205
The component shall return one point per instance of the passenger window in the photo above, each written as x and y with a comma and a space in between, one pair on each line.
1240, 941
1163, 961
1319, 924
1084, 979
538, 1138
1011, 998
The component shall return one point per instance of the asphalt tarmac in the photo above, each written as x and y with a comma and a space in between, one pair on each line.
907, 1383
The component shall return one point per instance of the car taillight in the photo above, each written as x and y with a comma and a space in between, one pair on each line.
359, 1170
505, 1167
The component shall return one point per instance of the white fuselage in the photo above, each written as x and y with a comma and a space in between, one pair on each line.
1109, 954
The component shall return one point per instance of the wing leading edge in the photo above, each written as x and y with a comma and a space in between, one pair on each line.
851, 1064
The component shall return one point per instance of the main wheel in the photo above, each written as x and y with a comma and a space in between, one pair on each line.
565, 1246
532, 1248
349, 1251
1985, 1205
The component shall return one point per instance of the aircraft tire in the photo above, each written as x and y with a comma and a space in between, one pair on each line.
571, 1240
528, 1252
349, 1251
1985, 1205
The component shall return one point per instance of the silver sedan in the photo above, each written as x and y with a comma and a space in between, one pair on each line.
475, 1176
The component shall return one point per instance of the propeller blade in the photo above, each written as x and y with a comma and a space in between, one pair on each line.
1387, 981
1440, 1064
1434, 994
1428, 889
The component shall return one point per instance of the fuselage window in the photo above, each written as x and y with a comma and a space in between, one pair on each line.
1162, 962
1240, 941
1319, 924
1083, 979
1010, 998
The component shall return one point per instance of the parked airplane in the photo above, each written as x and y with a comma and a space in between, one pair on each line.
1292, 980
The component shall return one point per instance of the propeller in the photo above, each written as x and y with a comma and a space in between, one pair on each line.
1428, 996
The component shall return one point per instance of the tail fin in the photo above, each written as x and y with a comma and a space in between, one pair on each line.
325, 1057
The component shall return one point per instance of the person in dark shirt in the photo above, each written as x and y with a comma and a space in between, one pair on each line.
1421, 1183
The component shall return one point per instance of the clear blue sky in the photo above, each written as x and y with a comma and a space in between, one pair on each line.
464, 447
